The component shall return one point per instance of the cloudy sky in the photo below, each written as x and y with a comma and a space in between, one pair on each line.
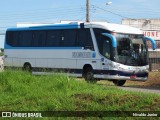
44, 11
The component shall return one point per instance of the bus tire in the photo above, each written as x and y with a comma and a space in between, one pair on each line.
27, 67
89, 75
119, 82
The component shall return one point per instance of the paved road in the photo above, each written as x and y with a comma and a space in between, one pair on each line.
142, 89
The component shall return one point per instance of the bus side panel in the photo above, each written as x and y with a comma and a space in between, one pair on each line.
17, 58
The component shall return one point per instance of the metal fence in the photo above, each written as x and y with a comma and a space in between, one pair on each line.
154, 57
154, 60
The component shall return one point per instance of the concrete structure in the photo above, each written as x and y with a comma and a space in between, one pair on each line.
150, 28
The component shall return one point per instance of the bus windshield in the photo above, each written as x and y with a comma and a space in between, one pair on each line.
131, 50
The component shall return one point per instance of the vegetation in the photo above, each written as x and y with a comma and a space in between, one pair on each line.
21, 91
2, 52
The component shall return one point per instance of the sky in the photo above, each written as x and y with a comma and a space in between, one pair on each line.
51, 11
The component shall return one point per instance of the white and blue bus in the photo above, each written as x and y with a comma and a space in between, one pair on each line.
95, 50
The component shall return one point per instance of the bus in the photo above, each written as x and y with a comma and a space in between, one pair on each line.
95, 50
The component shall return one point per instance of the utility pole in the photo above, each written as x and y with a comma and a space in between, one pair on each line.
87, 11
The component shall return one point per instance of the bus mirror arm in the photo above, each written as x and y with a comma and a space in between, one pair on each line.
152, 41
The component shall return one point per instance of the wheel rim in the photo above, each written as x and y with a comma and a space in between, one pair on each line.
89, 76
27, 68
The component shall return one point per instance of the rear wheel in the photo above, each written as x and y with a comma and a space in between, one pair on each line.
27, 67
119, 82
89, 75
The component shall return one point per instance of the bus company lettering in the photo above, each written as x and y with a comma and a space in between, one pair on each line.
82, 55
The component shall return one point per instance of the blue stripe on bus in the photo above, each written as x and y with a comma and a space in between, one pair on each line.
42, 48
47, 27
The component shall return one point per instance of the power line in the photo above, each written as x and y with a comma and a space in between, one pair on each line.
41, 10
110, 11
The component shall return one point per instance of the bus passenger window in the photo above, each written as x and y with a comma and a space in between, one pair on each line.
85, 39
39, 38
68, 38
53, 38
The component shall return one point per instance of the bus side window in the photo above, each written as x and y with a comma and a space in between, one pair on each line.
53, 38
9, 37
39, 38
85, 39
16, 39
68, 38
25, 39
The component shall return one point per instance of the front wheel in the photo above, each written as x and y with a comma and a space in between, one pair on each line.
89, 76
119, 82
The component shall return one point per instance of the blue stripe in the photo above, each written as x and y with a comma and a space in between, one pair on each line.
152, 41
47, 27
43, 48
114, 41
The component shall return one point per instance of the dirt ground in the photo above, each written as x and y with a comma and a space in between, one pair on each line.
153, 81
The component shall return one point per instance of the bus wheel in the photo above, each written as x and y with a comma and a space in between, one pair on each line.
27, 67
89, 76
119, 82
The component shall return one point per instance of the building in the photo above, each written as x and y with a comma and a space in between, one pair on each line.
150, 28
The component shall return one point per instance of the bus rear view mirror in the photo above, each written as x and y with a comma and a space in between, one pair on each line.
153, 42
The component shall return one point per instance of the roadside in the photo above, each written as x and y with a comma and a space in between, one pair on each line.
153, 81
1, 63
152, 85
141, 89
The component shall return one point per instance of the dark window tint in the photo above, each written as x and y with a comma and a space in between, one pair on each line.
84, 39
12, 38
53, 38
105, 48
39, 38
98, 33
9, 36
103, 42
68, 38
25, 39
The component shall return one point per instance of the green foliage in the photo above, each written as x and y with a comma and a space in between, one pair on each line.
22, 91
1, 54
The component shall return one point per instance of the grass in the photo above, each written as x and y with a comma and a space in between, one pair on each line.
21, 91
1, 54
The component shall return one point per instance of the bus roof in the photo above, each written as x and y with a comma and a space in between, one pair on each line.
118, 28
